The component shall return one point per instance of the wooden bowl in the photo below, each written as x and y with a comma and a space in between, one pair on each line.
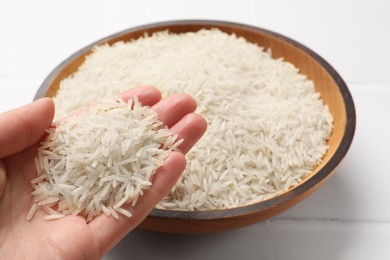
327, 81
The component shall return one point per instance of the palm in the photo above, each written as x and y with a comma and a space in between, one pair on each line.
27, 237
71, 237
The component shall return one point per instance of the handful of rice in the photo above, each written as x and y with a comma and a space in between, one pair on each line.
99, 160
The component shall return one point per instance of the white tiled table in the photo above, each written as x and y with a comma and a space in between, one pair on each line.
347, 218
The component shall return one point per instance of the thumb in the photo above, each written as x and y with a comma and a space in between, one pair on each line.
23, 127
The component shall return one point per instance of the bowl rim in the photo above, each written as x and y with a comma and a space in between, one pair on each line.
260, 206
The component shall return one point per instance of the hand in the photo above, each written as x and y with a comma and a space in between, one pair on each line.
71, 237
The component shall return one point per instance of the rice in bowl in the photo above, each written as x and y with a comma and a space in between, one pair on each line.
268, 127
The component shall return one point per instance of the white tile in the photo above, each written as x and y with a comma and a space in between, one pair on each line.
323, 240
271, 240
352, 35
237, 244
17, 92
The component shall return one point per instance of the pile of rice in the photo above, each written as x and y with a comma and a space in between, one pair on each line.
267, 127
99, 159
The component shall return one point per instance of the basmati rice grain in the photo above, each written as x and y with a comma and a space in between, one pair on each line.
105, 210
49, 210
53, 217
113, 212
124, 212
31, 212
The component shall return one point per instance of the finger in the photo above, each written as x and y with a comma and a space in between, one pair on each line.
190, 128
23, 127
173, 108
110, 230
147, 95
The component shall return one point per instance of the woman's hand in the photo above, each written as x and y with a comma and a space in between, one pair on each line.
71, 237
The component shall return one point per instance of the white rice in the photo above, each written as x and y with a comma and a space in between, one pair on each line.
267, 126
99, 160
54, 216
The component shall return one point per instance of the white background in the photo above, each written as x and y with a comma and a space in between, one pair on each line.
347, 218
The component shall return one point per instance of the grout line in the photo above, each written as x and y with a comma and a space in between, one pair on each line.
20, 78
329, 220
365, 83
